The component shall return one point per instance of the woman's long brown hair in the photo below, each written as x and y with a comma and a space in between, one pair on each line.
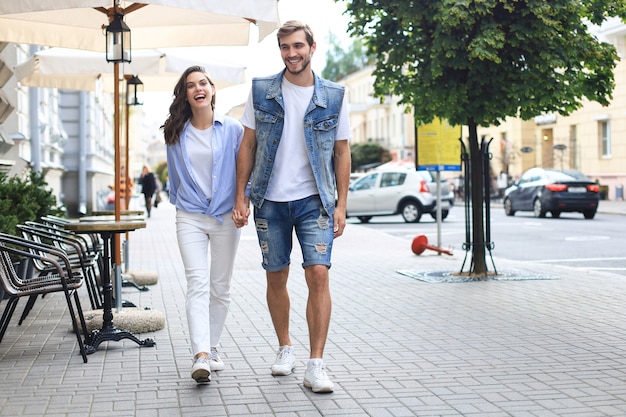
180, 110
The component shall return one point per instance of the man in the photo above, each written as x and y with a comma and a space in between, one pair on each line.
296, 159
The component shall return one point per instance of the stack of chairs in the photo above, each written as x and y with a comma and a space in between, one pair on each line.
79, 250
48, 270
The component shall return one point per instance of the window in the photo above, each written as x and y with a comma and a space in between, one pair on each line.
392, 179
366, 183
604, 136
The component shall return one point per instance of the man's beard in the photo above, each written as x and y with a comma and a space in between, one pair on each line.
305, 64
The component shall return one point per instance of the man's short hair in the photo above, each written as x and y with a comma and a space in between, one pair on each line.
292, 26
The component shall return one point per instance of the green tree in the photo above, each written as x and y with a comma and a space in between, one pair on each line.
368, 153
477, 62
23, 200
341, 62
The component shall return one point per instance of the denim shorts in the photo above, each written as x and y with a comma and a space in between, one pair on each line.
275, 223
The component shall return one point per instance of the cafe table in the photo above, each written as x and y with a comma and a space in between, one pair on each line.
112, 212
107, 230
127, 215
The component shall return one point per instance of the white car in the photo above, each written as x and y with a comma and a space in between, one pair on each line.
389, 192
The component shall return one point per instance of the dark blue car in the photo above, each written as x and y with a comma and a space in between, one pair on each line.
543, 190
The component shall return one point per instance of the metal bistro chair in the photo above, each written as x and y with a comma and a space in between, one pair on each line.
58, 276
76, 249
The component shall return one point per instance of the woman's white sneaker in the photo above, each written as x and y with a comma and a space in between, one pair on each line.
216, 363
201, 370
315, 377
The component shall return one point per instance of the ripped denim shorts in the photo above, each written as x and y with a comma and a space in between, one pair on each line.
275, 223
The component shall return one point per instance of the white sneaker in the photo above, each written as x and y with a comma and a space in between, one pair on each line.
201, 370
217, 364
315, 377
285, 361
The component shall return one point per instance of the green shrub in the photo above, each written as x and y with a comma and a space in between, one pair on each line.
23, 200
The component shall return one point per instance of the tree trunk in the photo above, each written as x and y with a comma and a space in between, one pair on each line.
479, 263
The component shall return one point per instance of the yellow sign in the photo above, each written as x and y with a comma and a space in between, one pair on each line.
438, 146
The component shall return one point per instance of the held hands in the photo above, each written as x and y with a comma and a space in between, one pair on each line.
241, 211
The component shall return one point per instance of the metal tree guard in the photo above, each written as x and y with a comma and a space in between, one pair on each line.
468, 245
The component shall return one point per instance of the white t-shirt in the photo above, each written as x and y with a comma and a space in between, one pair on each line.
200, 153
292, 175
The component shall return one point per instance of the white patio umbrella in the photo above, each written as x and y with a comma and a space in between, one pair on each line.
74, 69
154, 24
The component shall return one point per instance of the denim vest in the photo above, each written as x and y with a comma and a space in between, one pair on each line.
320, 128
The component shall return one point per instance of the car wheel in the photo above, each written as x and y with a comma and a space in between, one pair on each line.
364, 219
589, 214
444, 214
508, 207
556, 214
411, 212
538, 208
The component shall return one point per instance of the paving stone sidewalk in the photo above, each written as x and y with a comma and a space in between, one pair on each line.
397, 346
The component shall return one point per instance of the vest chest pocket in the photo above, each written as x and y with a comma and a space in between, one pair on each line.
325, 131
265, 117
326, 124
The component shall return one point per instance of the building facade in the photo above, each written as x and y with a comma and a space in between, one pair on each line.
65, 134
386, 123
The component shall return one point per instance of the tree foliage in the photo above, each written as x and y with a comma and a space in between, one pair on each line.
341, 62
487, 59
475, 62
368, 153
23, 200
161, 172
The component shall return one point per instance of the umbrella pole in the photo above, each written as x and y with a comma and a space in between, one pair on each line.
116, 139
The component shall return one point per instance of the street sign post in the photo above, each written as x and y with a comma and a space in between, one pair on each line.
438, 148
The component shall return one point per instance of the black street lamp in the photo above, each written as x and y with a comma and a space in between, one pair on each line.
118, 40
134, 91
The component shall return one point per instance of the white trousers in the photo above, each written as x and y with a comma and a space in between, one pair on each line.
208, 287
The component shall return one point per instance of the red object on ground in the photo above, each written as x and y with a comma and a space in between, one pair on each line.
420, 244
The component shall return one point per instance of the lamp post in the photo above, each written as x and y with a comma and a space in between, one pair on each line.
134, 97
117, 51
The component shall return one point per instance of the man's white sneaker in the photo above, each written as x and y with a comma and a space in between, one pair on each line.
315, 377
201, 370
285, 361
216, 363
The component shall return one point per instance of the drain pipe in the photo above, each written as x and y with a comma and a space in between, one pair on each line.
33, 121
82, 153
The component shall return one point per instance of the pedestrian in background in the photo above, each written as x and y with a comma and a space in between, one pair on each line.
294, 169
148, 187
202, 148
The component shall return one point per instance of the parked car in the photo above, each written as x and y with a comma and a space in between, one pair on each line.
355, 176
551, 190
403, 191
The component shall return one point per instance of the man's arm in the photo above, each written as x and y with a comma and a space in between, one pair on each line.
343, 163
245, 161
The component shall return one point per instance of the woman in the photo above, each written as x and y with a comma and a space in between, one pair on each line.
202, 148
148, 187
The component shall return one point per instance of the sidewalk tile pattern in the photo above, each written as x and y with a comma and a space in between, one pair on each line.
397, 346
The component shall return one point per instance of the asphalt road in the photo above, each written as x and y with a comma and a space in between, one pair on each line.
571, 240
